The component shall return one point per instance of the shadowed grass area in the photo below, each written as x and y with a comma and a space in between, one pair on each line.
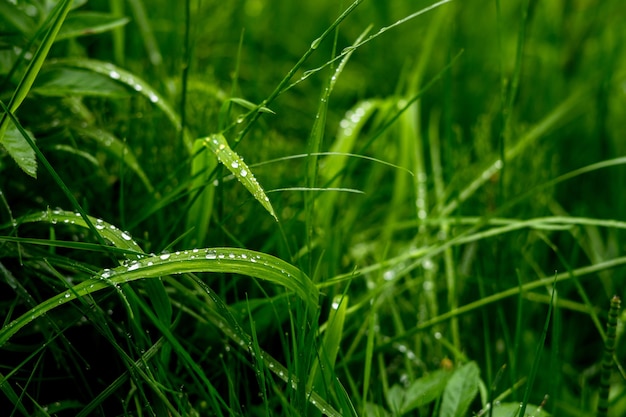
320, 208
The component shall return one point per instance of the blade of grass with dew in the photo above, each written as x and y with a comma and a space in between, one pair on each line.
235, 164
55, 19
121, 240
222, 260
132, 81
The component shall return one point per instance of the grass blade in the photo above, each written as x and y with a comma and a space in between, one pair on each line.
234, 163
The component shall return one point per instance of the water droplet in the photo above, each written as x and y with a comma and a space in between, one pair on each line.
67, 295
165, 256
316, 43
135, 265
126, 236
153, 97
138, 87
243, 173
115, 75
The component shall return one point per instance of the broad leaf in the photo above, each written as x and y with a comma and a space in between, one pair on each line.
20, 150
460, 391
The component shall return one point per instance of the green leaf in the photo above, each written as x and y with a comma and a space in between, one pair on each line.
61, 82
424, 390
233, 162
20, 150
89, 23
460, 391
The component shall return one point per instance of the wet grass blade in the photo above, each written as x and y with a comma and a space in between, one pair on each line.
130, 80
235, 164
222, 260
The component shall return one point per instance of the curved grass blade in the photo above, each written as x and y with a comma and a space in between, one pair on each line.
116, 236
223, 260
132, 81
233, 162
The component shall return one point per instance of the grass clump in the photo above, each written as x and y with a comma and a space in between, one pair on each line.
271, 208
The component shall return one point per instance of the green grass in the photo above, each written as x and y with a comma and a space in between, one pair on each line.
249, 208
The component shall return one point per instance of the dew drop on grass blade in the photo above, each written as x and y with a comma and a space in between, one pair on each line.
233, 162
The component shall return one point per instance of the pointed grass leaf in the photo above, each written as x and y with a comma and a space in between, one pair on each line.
460, 391
89, 23
116, 236
424, 390
233, 162
20, 150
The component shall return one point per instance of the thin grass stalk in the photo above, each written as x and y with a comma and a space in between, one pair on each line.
607, 357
